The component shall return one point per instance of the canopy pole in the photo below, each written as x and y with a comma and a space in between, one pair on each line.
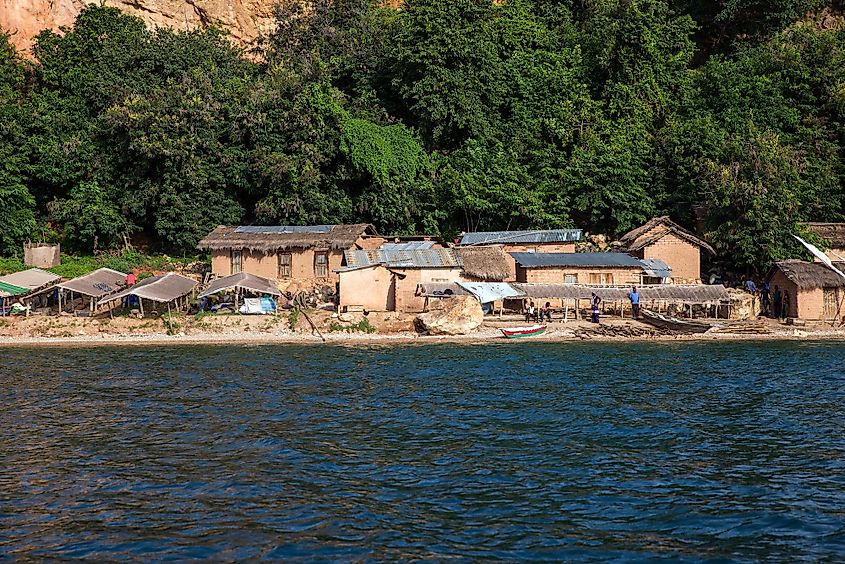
141, 303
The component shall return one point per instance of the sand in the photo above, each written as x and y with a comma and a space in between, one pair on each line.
391, 329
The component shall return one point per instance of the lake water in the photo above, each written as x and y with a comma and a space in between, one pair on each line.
537, 451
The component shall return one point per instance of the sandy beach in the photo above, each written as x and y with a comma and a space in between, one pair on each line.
389, 329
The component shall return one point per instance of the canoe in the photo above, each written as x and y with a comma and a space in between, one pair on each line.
519, 332
673, 323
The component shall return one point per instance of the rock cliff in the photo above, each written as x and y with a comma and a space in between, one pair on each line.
244, 19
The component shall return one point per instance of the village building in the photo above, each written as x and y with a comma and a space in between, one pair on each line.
388, 278
535, 241
834, 238
286, 252
663, 239
593, 269
815, 291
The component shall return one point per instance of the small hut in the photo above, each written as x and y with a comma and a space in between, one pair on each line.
815, 291
25, 285
834, 237
663, 239
242, 284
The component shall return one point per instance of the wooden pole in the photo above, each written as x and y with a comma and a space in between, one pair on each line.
141, 304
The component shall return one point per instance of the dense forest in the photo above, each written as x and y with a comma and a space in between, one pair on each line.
437, 117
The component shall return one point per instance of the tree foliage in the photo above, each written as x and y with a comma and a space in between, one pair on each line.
435, 117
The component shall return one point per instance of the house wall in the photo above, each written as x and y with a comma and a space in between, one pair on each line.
267, 264
556, 275
406, 288
809, 303
682, 256
370, 288
568, 247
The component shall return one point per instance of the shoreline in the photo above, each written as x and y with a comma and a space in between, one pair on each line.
485, 336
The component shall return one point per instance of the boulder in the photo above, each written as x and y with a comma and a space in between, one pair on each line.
346, 317
460, 315
743, 304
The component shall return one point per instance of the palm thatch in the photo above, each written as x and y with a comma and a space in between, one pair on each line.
488, 263
833, 233
655, 229
809, 275
331, 237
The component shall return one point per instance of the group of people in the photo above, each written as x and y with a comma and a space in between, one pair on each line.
533, 313
545, 312
774, 303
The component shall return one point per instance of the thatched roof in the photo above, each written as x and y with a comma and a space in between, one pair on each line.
282, 237
655, 229
809, 275
484, 263
833, 233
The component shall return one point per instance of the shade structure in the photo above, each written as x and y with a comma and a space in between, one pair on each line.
26, 280
162, 288
97, 284
672, 293
486, 292
242, 281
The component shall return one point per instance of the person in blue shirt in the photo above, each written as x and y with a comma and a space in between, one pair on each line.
634, 296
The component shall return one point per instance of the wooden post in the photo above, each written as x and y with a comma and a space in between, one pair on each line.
141, 304
61, 291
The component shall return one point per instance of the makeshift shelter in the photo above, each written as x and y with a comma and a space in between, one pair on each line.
815, 291
299, 252
661, 238
535, 241
240, 283
25, 283
164, 288
94, 285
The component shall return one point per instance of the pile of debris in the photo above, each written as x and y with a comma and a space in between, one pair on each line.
311, 295
743, 328
621, 331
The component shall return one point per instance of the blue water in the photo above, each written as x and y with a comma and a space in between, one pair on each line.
534, 451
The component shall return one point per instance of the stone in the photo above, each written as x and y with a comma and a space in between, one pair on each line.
346, 317
743, 304
460, 315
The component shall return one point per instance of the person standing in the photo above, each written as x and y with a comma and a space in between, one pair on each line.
785, 305
634, 296
765, 299
777, 301
594, 307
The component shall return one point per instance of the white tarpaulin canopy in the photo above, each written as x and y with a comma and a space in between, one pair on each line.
243, 281
486, 292
162, 288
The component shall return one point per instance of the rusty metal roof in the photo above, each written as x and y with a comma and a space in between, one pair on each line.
423, 258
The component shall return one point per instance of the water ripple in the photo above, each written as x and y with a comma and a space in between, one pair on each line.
536, 451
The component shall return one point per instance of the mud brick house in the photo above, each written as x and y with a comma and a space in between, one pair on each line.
834, 238
387, 278
663, 239
815, 291
593, 269
286, 252
537, 241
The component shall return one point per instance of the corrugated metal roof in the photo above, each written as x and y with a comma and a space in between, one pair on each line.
539, 260
8, 290
657, 268
33, 278
409, 246
273, 229
427, 258
521, 237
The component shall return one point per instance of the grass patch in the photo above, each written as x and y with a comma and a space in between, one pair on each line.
362, 326
73, 266
293, 318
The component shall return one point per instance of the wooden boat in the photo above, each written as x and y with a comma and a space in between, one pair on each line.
519, 332
673, 323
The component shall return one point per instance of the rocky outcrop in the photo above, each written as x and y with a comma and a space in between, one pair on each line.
245, 20
460, 315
